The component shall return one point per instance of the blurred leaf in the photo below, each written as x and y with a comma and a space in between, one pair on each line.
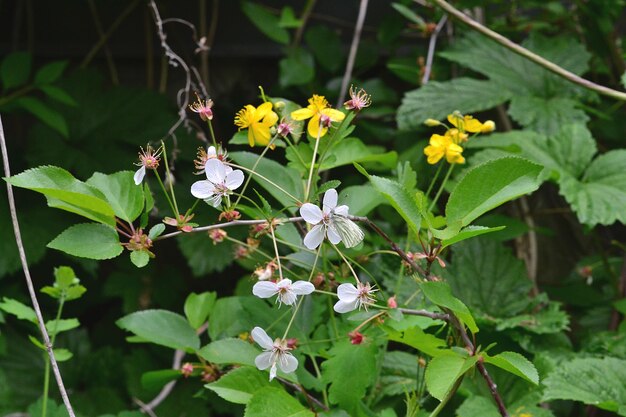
18, 309
203, 256
139, 258
122, 194
239, 385
593, 381
288, 19
228, 351
44, 113
232, 316
443, 371
436, 100
297, 68
51, 72
88, 240
161, 327
265, 21
326, 46
408, 13
58, 94
61, 325
545, 115
406, 69
198, 307
278, 401
155, 380
62, 355
399, 373
15, 69
514, 363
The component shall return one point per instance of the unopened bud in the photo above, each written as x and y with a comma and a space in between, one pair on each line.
488, 126
391, 302
432, 122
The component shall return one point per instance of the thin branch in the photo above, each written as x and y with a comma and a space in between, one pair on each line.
550, 66
356, 38
308, 396
29, 281
431, 48
228, 224
425, 313
107, 51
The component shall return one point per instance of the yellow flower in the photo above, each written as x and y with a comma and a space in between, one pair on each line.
465, 123
258, 121
321, 116
440, 146
456, 136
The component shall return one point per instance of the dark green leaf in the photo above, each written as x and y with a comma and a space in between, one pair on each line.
297, 68
44, 113
161, 327
326, 46
58, 94
51, 72
276, 402
198, 307
15, 70
120, 191
403, 200
228, 351
265, 21
88, 240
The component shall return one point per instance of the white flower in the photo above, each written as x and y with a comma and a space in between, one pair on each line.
287, 292
276, 353
351, 297
221, 181
331, 221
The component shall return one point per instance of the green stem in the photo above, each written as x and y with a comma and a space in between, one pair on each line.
212, 134
295, 149
447, 398
308, 183
432, 183
167, 196
295, 311
167, 170
46, 379
256, 163
441, 187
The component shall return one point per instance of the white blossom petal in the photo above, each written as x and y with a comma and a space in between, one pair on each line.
264, 360
347, 292
211, 152
287, 297
234, 179
332, 234
330, 200
302, 288
215, 171
315, 237
202, 189
273, 371
342, 210
311, 213
287, 362
262, 339
214, 200
227, 169
343, 306
138, 177
265, 289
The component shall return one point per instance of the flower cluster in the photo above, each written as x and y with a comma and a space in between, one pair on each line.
449, 144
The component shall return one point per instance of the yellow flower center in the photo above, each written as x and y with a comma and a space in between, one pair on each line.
317, 103
245, 117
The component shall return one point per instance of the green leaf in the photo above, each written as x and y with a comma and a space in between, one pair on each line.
403, 200
488, 278
51, 72
443, 371
198, 307
350, 370
399, 373
436, 100
61, 325
296, 68
287, 178
156, 231
468, 233
227, 351
361, 199
15, 69
58, 94
44, 113
288, 19
277, 403
265, 21
62, 355
546, 115
161, 327
326, 46
66, 192
239, 385
516, 364
18, 309
594, 381
418, 339
408, 13
352, 150
155, 380
203, 256
122, 194
88, 240
140, 258
600, 196
64, 277
327, 186
489, 185
439, 293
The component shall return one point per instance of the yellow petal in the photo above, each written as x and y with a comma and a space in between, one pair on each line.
472, 125
261, 134
250, 136
270, 119
313, 127
455, 119
302, 114
262, 110
433, 153
334, 115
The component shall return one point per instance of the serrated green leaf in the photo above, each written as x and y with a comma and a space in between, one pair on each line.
436, 100
139, 258
489, 185
401, 199
51, 72
443, 371
485, 266
349, 371
44, 113
594, 381
439, 293
516, 364
265, 21
15, 69
239, 385
350, 150
88, 240
66, 192
198, 307
119, 189
297, 68
546, 115
203, 256
18, 309
278, 401
326, 46
161, 327
327, 186
227, 351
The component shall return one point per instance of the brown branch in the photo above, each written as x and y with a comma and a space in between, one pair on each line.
431, 49
107, 51
426, 313
29, 281
310, 399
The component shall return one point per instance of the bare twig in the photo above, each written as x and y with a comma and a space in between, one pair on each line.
550, 66
304, 17
425, 313
431, 48
29, 281
107, 51
309, 397
354, 47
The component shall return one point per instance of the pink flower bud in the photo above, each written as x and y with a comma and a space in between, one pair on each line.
391, 302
